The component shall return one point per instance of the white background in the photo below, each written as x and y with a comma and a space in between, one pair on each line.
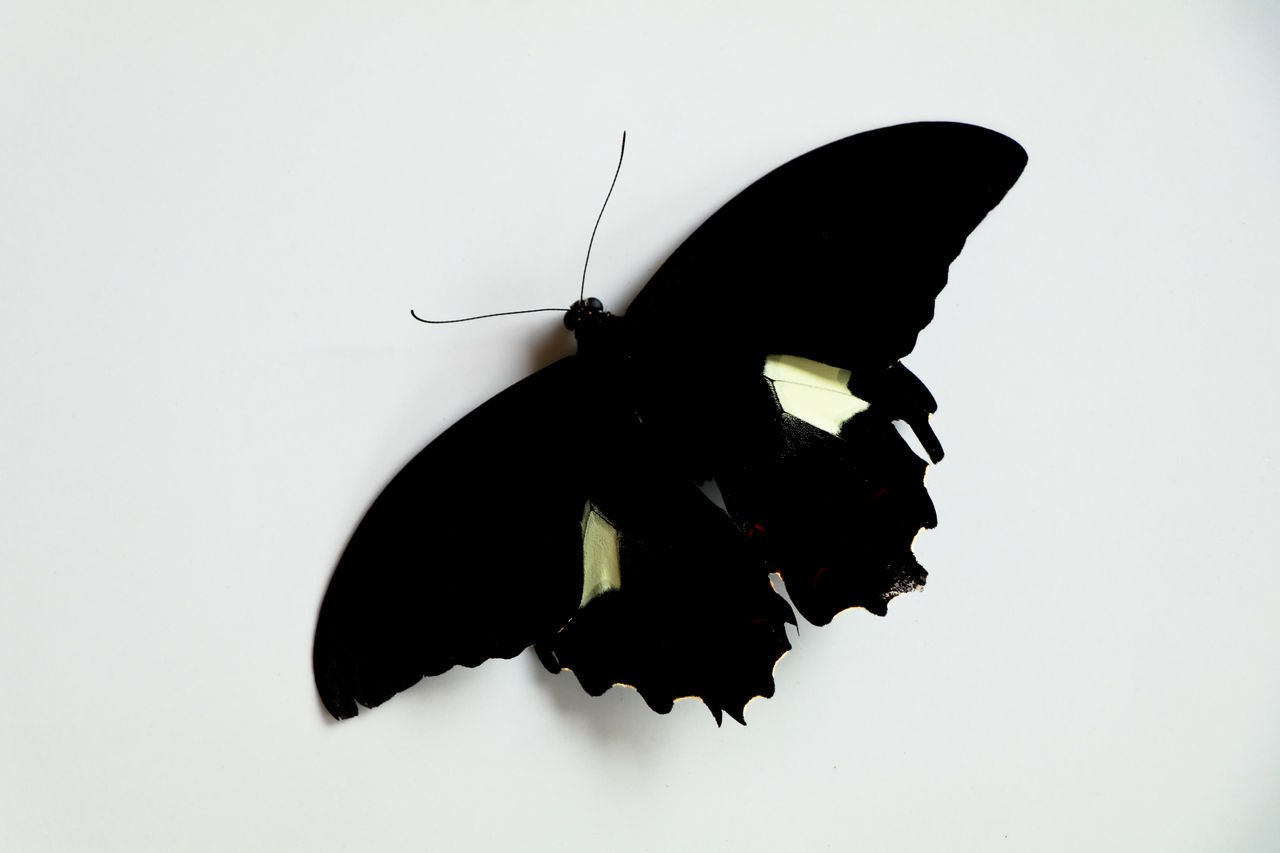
214, 219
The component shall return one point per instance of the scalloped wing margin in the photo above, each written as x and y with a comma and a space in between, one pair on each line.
695, 614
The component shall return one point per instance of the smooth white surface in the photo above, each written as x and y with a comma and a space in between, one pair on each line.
216, 217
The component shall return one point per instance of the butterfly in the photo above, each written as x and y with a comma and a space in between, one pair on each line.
572, 511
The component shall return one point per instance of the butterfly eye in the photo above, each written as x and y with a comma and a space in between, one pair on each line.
582, 309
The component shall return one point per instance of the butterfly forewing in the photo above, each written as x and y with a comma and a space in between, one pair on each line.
472, 551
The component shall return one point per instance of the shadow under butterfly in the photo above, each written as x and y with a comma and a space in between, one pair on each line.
565, 513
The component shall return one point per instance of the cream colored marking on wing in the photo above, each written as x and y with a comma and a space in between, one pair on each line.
601, 571
812, 391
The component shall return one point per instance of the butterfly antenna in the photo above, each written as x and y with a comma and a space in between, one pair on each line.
582, 291
413, 314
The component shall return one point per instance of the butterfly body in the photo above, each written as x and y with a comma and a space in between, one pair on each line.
500, 535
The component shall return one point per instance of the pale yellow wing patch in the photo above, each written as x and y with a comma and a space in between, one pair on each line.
601, 569
812, 391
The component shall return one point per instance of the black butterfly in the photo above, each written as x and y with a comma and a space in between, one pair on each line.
565, 513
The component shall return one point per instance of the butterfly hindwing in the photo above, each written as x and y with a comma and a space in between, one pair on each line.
694, 613
835, 515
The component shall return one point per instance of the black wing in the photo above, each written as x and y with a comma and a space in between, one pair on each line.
694, 613
452, 565
837, 256
475, 550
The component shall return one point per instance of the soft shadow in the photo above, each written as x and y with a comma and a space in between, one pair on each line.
552, 343
617, 719
459, 680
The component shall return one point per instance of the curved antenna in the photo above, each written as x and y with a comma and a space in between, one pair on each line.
480, 316
582, 291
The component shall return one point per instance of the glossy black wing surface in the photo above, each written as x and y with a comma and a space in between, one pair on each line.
835, 515
694, 614
835, 257
471, 552
479, 548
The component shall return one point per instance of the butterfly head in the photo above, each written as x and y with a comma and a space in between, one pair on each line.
585, 313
